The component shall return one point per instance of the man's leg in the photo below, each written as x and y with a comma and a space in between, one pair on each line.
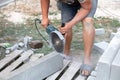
67, 13
68, 39
88, 38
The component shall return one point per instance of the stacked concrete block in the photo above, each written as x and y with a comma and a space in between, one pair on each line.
100, 46
104, 64
115, 68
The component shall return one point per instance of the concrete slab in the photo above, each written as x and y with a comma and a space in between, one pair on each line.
91, 78
37, 70
104, 64
93, 73
115, 69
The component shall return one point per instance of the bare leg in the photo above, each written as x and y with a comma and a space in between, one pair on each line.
88, 38
68, 39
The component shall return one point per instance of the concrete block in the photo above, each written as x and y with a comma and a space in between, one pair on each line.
100, 46
104, 68
100, 31
4, 2
112, 35
91, 78
115, 69
37, 70
93, 73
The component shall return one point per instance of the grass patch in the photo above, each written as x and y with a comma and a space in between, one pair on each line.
17, 31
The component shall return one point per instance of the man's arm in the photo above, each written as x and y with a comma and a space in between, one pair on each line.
45, 9
82, 13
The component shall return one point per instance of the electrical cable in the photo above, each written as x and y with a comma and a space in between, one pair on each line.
37, 20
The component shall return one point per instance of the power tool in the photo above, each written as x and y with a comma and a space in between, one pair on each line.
56, 38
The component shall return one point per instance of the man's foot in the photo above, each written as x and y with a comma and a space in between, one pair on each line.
86, 69
66, 57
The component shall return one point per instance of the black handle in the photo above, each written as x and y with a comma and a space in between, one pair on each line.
62, 25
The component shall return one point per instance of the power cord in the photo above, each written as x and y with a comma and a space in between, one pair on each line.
39, 21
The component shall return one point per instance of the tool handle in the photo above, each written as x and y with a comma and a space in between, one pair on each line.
63, 24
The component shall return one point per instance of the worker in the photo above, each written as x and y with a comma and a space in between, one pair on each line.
72, 12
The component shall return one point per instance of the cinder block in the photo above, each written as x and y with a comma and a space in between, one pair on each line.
101, 46
37, 70
104, 68
115, 69
100, 31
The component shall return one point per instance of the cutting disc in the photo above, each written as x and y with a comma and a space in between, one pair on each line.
57, 41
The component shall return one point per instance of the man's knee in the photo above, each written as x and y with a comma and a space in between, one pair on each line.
87, 21
88, 24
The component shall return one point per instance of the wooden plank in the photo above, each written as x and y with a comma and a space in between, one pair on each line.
115, 69
9, 58
104, 68
16, 63
37, 70
71, 71
54, 76
81, 78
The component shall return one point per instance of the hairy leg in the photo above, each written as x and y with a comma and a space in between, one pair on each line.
88, 38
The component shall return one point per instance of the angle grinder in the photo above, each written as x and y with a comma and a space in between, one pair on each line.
56, 38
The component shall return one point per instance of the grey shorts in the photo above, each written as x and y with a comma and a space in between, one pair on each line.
69, 11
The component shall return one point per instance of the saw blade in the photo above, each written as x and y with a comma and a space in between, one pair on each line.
57, 41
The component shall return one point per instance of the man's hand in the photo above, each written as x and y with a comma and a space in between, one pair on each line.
45, 22
65, 29
44, 11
